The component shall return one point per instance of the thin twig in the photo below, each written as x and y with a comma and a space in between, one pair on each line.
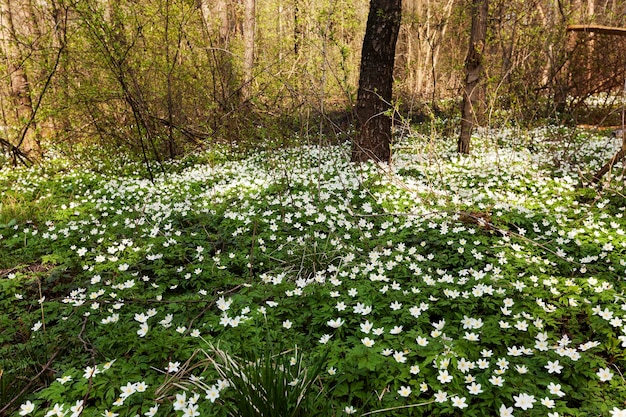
88, 347
382, 410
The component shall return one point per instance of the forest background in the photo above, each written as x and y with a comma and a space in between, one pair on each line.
158, 78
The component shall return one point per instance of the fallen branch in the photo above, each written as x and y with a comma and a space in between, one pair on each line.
603, 30
607, 167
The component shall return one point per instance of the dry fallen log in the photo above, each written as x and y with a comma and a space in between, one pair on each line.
604, 30
607, 167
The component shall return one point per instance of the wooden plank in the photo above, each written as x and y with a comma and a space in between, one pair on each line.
604, 30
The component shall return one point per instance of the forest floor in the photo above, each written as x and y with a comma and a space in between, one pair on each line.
297, 283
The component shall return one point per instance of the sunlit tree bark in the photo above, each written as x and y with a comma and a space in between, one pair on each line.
13, 16
248, 54
471, 106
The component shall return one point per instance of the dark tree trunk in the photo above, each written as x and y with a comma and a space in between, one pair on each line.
471, 108
297, 27
373, 137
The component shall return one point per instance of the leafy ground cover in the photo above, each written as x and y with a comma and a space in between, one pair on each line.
295, 283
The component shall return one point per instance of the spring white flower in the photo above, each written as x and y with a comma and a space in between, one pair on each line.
521, 369
395, 305
223, 304
505, 411
444, 377
441, 396
464, 365
367, 342
404, 391
496, 380
396, 330
26, 408
547, 402
191, 411
555, 389
143, 330
399, 357
366, 327
152, 411
128, 390
212, 393
91, 372
64, 379
108, 365
77, 408
459, 402
141, 317
335, 324
471, 336
474, 388
181, 401
553, 367
605, 374
58, 410
378, 331
421, 341
173, 367
524, 401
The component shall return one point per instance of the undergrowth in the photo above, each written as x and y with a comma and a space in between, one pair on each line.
446, 285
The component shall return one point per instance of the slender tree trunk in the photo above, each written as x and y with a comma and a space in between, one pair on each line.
564, 82
216, 11
590, 48
297, 27
373, 137
218, 27
248, 53
13, 16
471, 107
59, 13
435, 45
